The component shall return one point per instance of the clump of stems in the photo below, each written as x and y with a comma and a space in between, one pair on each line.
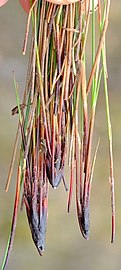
54, 119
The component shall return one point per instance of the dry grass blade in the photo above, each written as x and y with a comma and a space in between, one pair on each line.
14, 221
12, 160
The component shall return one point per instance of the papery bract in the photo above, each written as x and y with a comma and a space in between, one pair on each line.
25, 5
3, 2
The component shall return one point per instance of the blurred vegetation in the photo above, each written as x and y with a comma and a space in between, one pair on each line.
65, 248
